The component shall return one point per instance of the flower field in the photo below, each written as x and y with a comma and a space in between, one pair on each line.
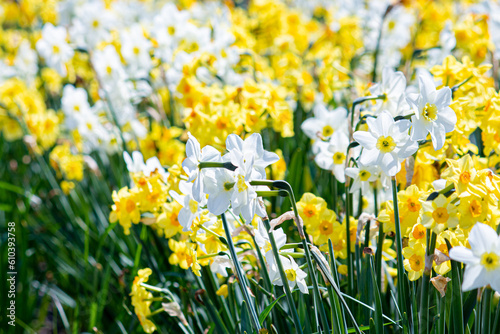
251, 166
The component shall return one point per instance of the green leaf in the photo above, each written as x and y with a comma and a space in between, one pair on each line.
379, 323
268, 309
246, 326
456, 290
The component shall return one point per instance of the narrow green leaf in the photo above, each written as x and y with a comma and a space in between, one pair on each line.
379, 322
456, 291
268, 309
246, 323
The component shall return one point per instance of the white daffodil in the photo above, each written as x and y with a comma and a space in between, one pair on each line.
482, 260
54, 48
108, 66
168, 25
250, 148
447, 42
135, 50
361, 177
218, 183
153, 165
74, 103
25, 62
325, 123
392, 87
220, 264
331, 155
135, 163
294, 275
191, 209
244, 199
195, 155
432, 112
263, 241
92, 24
386, 144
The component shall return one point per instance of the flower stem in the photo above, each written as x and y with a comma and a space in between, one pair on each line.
241, 276
317, 295
424, 298
209, 164
399, 248
286, 287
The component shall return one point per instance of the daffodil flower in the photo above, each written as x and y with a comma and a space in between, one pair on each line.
54, 48
432, 112
294, 275
362, 176
135, 163
439, 214
244, 199
249, 148
264, 243
191, 208
220, 264
331, 155
386, 144
325, 123
219, 184
392, 87
482, 259
195, 155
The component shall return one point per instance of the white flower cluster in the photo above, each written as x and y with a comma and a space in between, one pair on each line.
388, 141
220, 188
126, 41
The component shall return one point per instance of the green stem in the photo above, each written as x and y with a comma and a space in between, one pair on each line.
240, 275
399, 247
333, 180
350, 269
286, 287
486, 318
424, 297
361, 100
339, 316
312, 270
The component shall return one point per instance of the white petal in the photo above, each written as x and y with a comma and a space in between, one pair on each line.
443, 97
324, 160
418, 130
389, 164
198, 189
352, 172
408, 149
253, 144
210, 153
365, 139
438, 136
384, 122
339, 172
482, 238
474, 277
463, 254
193, 148
369, 157
218, 204
311, 127
234, 142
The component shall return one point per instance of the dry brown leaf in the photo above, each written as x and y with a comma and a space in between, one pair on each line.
440, 283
